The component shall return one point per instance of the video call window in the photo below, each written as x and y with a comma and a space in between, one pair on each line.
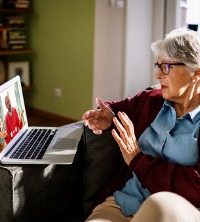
11, 115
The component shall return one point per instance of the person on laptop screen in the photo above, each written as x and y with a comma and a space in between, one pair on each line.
13, 121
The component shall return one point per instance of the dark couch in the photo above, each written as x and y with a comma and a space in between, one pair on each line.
59, 192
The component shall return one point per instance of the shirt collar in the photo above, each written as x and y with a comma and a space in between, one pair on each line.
194, 114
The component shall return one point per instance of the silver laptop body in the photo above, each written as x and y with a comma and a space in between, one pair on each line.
64, 140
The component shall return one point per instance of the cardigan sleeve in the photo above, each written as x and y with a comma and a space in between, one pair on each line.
156, 175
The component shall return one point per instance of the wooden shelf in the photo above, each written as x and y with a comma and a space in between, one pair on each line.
15, 52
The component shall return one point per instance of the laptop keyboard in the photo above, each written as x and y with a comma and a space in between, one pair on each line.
34, 145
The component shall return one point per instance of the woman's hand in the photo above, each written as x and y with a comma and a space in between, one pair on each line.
126, 138
98, 119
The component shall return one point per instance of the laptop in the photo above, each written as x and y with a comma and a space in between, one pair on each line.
24, 144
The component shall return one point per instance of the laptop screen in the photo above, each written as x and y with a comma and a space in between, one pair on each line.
12, 112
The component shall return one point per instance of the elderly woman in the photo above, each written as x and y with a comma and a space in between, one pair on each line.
158, 135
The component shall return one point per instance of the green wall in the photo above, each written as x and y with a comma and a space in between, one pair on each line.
62, 37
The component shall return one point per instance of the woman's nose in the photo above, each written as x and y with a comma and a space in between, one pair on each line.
159, 74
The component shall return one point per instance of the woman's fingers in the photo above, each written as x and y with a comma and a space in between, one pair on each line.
89, 114
94, 120
128, 125
127, 139
125, 129
120, 128
123, 140
119, 141
128, 156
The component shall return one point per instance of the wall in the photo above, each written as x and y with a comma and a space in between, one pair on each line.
108, 51
122, 58
138, 57
193, 16
89, 49
62, 35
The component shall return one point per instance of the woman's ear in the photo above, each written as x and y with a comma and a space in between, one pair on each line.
197, 73
196, 76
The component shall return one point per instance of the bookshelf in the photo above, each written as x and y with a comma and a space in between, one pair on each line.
15, 52
14, 40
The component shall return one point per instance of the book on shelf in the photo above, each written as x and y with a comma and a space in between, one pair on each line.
11, 4
14, 21
16, 41
22, 4
3, 37
16, 47
16, 35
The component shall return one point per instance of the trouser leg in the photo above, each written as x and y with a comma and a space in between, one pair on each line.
108, 211
166, 207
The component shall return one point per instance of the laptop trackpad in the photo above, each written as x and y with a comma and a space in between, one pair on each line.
65, 143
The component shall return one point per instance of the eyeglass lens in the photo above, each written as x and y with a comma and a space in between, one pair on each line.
165, 68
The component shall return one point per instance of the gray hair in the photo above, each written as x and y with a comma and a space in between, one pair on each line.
180, 45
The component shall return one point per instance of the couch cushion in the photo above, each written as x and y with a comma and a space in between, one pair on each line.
103, 159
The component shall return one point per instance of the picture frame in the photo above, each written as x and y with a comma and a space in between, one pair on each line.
21, 68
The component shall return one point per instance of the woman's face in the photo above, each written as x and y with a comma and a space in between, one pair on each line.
178, 84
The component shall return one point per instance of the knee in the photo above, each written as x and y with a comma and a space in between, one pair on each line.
154, 207
169, 200
164, 207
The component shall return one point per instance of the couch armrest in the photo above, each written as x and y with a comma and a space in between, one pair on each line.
30, 193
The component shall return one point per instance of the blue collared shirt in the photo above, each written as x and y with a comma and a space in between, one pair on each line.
173, 139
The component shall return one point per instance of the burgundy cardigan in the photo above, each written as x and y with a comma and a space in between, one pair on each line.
154, 173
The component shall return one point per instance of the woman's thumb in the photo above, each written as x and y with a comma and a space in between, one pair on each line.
100, 103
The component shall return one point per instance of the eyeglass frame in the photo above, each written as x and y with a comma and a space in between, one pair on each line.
159, 66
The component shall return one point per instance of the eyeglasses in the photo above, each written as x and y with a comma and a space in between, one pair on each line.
165, 67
